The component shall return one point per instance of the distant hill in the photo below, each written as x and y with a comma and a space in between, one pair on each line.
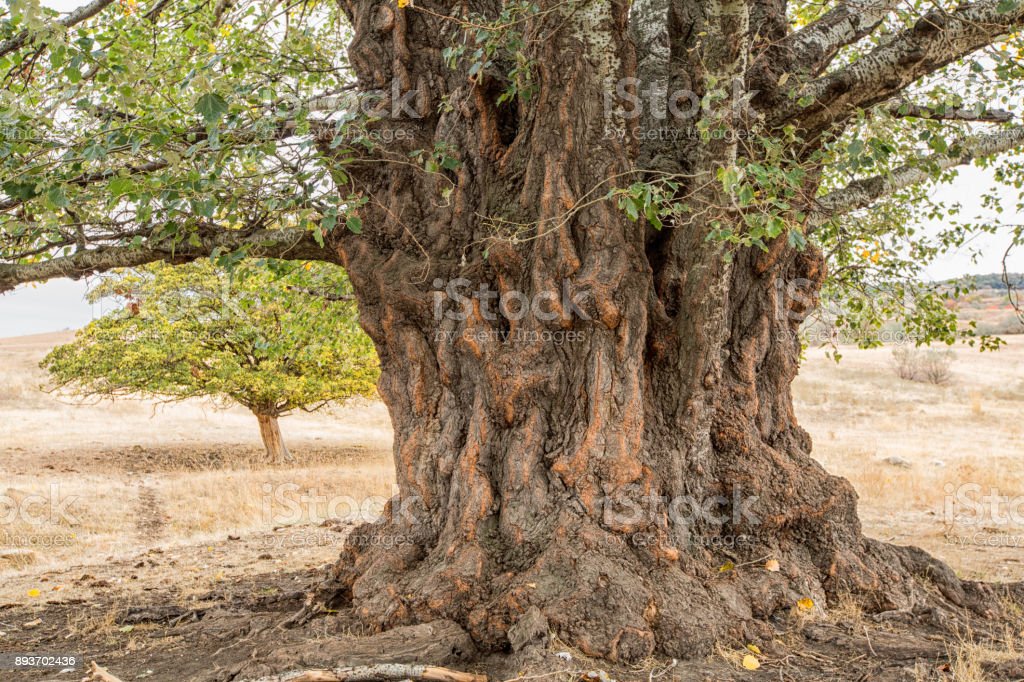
989, 304
993, 280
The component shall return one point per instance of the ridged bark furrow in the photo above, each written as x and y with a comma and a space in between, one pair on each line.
521, 460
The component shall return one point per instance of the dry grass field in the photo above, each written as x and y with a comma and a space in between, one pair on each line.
108, 480
947, 446
107, 509
105, 480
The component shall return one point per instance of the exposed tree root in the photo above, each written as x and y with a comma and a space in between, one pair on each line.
625, 602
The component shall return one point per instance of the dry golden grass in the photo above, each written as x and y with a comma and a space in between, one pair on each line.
139, 475
144, 475
969, 657
115, 517
969, 431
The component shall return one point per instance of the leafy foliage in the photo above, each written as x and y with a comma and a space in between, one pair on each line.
495, 47
266, 337
168, 121
165, 123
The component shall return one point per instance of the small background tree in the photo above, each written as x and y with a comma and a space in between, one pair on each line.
271, 336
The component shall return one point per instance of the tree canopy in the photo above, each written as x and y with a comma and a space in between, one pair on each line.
273, 340
171, 130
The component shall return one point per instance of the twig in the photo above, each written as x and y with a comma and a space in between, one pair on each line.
868, 637
655, 674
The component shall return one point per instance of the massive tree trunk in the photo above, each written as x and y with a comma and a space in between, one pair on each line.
602, 456
273, 441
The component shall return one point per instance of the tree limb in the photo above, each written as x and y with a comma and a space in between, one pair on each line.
78, 16
935, 40
815, 45
377, 673
294, 244
1012, 290
903, 109
97, 176
323, 293
862, 193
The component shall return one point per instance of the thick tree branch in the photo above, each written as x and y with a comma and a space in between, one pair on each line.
862, 193
292, 244
815, 45
324, 294
72, 19
903, 109
377, 673
935, 40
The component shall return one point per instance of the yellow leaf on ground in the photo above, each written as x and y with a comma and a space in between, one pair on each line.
772, 565
34, 592
727, 566
403, 3
750, 663
753, 647
806, 604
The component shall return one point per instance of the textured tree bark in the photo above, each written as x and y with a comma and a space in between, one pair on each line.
601, 457
273, 441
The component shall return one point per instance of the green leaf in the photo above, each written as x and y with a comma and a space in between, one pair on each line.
21, 190
797, 240
746, 195
94, 152
56, 197
211, 107
631, 206
652, 217
354, 223
121, 186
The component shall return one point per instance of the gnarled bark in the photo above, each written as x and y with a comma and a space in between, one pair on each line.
603, 456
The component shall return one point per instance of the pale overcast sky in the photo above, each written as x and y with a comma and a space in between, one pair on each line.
60, 304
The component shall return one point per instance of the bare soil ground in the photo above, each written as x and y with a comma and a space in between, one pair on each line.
155, 540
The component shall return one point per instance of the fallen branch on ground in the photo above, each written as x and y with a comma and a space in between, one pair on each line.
376, 673
98, 674
386, 672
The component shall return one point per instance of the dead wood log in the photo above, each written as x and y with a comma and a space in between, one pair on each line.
98, 674
385, 672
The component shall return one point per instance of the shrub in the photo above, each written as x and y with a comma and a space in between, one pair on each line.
929, 365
